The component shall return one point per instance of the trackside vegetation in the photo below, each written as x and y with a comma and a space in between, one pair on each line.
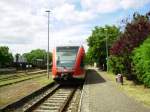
129, 49
133, 36
37, 54
37, 57
6, 57
130, 55
97, 44
141, 62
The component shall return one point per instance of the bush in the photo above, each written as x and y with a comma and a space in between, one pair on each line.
141, 62
116, 65
6, 57
133, 36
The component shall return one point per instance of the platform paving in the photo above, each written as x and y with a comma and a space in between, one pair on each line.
101, 95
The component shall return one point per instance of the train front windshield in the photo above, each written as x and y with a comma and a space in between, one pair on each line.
66, 56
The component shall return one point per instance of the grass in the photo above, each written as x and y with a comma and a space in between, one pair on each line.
9, 77
2, 76
138, 92
16, 91
18, 74
43, 80
15, 80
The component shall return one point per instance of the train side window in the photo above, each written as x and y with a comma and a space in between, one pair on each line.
82, 62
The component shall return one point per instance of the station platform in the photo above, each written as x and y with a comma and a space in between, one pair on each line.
101, 95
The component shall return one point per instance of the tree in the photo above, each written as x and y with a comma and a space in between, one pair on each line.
6, 57
37, 54
97, 43
135, 33
141, 62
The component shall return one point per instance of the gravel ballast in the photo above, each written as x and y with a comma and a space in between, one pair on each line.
101, 95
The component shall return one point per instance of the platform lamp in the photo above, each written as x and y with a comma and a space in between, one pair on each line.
48, 12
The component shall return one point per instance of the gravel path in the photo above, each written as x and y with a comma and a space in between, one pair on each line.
100, 95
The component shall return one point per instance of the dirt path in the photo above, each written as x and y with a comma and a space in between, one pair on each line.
100, 95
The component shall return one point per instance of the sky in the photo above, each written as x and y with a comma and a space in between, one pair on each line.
24, 25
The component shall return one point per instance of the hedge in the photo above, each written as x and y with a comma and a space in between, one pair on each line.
141, 62
116, 64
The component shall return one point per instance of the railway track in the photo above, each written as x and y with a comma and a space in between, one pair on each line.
19, 78
56, 98
19, 75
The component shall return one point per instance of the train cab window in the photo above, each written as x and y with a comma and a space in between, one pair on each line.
66, 56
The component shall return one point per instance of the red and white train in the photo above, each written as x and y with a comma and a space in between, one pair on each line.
68, 63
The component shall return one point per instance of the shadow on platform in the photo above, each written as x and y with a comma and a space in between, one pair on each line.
93, 77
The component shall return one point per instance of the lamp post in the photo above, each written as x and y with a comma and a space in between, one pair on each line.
106, 48
48, 12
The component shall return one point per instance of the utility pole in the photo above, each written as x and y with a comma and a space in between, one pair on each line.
106, 48
48, 12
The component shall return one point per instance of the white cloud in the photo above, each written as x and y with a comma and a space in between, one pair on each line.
126, 4
100, 6
107, 6
67, 13
23, 23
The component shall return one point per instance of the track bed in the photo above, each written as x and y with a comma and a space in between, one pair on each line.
53, 98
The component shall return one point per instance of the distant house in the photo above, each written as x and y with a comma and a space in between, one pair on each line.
39, 63
21, 62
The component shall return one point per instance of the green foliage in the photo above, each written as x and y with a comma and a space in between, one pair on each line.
37, 54
116, 65
141, 62
136, 31
97, 43
6, 57
89, 58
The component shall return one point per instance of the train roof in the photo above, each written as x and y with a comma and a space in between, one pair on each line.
69, 46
